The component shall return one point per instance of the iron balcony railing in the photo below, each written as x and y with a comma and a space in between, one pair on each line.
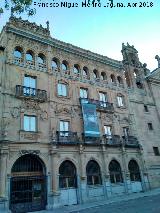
100, 105
112, 140
90, 140
67, 137
28, 92
130, 141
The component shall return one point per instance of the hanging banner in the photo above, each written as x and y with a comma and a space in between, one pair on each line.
91, 127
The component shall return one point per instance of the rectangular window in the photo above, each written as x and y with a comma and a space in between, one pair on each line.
146, 108
64, 128
126, 132
103, 99
108, 131
150, 126
83, 93
29, 123
62, 89
120, 101
29, 85
156, 151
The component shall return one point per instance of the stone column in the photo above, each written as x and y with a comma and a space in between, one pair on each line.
54, 180
105, 177
125, 169
3, 167
82, 176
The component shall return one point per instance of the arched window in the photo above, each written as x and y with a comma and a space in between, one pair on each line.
134, 171
28, 163
18, 52
67, 172
76, 69
85, 72
41, 58
93, 173
95, 74
29, 55
115, 172
120, 81
54, 63
127, 78
64, 65
113, 79
103, 76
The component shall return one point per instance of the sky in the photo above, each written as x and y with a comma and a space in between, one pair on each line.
103, 29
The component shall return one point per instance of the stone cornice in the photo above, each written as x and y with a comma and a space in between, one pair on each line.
69, 48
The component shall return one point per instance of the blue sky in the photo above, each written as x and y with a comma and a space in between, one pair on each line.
103, 30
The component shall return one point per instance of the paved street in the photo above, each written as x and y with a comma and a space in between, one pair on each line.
140, 205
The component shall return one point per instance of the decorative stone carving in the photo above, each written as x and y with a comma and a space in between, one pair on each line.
62, 110
15, 112
44, 115
30, 104
158, 59
26, 25
29, 136
25, 152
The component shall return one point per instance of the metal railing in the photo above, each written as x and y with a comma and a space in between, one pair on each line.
67, 137
28, 92
130, 141
100, 105
112, 140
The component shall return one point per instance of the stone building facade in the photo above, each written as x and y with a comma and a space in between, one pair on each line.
73, 126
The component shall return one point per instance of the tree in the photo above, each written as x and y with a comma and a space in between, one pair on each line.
17, 6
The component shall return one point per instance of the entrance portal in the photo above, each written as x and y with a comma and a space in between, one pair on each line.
28, 185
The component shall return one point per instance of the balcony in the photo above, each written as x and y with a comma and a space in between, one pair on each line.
91, 140
100, 105
67, 137
31, 93
112, 140
131, 141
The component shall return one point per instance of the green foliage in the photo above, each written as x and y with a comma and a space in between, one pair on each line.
17, 6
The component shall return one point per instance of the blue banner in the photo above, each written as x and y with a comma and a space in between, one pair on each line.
91, 127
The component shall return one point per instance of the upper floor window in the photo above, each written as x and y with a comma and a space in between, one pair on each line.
64, 65
102, 96
54, 64
108, 131
95, 73
120, 81
146, 108
29, 55
76, 69
83, 93
64, 128
29, 123
41, 58
29, 85
18, 52
156, 151
120, 101
126, 132
62, 89
113, 79
150, 126
85, 72
103, 76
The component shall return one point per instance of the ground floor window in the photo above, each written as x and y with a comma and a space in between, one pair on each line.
115, 172
93, 173
67, 172
134, 171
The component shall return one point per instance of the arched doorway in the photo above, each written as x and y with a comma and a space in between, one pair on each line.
68, 183
135, 176
28, 185
116, 177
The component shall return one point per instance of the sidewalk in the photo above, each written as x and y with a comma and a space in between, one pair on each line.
79, 207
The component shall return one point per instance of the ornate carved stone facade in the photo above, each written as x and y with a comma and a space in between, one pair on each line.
44, 88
